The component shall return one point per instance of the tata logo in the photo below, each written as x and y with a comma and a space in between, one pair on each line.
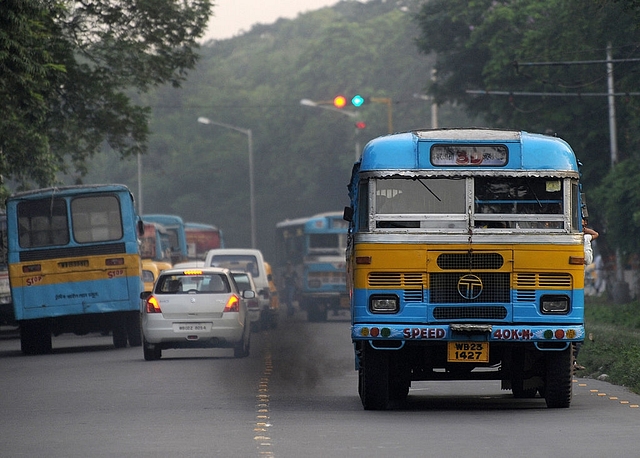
470, 286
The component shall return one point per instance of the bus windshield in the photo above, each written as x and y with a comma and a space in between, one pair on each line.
479, 202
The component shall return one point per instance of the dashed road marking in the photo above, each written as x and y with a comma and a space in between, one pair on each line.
611, 398
263, 417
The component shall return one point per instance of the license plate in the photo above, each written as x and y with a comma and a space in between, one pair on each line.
468, 352
191, 327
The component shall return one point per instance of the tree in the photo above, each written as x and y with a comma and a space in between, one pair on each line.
70, 72
485, 45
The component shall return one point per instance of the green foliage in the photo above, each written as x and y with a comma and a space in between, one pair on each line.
303, 155
488, 45
619, 198
67, 68
613, 343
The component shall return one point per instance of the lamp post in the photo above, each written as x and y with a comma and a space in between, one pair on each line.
252, 205
325, 106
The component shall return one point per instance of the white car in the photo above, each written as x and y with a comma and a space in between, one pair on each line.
245, 282
248, 260
195, 308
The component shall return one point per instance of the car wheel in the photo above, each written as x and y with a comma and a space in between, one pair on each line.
242, 348
151, 352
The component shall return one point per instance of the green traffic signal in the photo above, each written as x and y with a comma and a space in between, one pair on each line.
357, 100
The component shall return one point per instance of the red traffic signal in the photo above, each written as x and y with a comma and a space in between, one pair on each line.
361, 125
340, 101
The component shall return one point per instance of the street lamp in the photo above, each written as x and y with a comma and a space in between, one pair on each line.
252, 205
325, 106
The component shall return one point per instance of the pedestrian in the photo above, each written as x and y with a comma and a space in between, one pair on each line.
589, 236
290, 278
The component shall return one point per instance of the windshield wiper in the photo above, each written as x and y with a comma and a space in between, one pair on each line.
429, 189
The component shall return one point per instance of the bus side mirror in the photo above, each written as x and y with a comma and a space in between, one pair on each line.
347, 215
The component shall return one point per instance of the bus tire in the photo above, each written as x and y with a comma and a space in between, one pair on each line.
375, 379
35, 337
559, 373
134, 331
120, 332
317, 312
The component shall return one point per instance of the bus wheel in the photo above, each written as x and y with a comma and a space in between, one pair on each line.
120, 332
151, 352
558, 386
375, 379
317, 312
35, 337
134, 333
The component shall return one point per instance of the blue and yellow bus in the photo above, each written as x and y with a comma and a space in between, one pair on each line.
74, 264
315, 248
175, 227
465, 262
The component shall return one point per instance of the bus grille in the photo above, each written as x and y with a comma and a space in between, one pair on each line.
443, 288
463, 313
470, 261
543, 280
413, 280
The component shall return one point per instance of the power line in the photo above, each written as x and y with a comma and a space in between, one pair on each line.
553, 94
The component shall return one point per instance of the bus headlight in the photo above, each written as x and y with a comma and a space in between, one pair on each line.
384, 304
554, 305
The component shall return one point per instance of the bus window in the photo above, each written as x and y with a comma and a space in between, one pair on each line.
42, 223
96, 219
514, 196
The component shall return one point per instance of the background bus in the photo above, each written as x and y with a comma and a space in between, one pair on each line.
465, 252
202, 238
74, 264
174, 225
315, 246
6, 306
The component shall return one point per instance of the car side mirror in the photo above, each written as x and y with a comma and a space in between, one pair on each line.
248, 294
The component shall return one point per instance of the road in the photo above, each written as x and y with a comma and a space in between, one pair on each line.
295, 396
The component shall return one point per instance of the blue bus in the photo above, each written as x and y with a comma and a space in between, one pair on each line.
74, 264
175, 227
315, 248
465, 262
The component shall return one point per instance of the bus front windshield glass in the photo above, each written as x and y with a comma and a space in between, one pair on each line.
420, 195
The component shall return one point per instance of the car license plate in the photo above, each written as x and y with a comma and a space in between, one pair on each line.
191, 327
468, 352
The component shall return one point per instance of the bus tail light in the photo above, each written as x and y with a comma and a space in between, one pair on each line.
114, 262
233, 304
554, 305
384, 304
31, 268
152, 305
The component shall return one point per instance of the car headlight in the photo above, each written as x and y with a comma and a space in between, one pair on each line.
384, 304
558, 305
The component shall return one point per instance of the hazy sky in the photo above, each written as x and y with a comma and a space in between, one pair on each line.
231, 17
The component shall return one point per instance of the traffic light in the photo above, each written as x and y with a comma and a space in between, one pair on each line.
361, 125
340, 101
357, 100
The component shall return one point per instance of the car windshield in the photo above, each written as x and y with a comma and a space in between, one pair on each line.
242, 280
200, 283
246, 263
